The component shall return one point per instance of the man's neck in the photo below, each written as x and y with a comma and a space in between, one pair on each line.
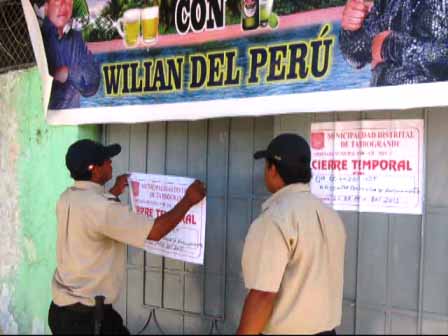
94, 180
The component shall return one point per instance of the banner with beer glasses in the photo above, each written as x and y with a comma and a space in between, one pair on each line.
140, 26
107, 61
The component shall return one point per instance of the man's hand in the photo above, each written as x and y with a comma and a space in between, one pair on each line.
165, 223
377, 46
195, 192
354, 14
61, 74
120, 184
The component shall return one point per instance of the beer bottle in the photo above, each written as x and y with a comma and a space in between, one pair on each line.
250, 14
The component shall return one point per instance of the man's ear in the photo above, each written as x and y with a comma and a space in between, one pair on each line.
275, 172
94, 170
46, 8
272, 169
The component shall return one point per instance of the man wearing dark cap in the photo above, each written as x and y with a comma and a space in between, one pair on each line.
93, 230
293, 257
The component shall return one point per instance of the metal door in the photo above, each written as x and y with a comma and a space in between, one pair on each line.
166, 296
396, 276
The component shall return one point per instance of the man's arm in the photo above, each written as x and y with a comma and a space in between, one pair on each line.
400, 48
265, 258
360, 23
125, 226
165, 223
257, 311
84, 73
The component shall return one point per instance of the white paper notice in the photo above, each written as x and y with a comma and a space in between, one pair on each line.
153, 195
369, 166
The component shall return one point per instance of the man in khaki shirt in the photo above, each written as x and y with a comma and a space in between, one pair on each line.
93, 230
293, 258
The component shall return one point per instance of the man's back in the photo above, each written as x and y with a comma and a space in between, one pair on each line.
90, 249
93, 229
304, 249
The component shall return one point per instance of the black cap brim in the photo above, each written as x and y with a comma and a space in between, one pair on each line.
261, 154
112, 150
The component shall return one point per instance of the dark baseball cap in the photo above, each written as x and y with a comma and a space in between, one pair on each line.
288, 149
84, 153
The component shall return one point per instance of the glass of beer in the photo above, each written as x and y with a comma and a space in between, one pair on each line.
150, 24
131, 23
265, 11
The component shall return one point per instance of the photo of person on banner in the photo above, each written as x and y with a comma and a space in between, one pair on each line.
72, 65
80, 9
405, 42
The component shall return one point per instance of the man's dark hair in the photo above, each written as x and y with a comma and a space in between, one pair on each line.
290, 174
87, 174
39, 3
81, 176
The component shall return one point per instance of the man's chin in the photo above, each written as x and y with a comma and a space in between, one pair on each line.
60, 24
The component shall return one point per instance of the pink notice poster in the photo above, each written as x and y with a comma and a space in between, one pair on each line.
369, 166
153, 195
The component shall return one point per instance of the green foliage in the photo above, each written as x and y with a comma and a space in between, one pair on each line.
95, 33
116, 8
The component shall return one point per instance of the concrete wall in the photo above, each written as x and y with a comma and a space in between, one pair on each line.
32, 175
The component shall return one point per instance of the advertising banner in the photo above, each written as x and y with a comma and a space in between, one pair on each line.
369, 166
153, 195
131, 61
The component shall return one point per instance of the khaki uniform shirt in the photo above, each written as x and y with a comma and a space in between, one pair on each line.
296, 248
93, 229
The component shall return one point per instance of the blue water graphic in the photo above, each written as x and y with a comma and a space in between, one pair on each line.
341, 75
